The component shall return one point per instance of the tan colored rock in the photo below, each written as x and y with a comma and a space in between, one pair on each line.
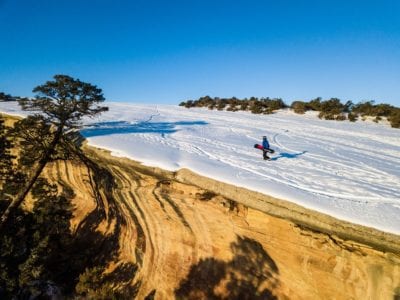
205, 239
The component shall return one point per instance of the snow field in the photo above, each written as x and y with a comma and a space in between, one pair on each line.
347, 170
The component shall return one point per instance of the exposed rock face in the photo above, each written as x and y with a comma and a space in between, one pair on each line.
194, 243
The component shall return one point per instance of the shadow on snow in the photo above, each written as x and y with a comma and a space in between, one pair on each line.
120, 127
287, 155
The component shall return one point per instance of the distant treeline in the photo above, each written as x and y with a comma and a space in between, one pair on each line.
253, 104
7, 97
331, 109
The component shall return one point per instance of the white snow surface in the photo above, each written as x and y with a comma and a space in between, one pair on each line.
348, 170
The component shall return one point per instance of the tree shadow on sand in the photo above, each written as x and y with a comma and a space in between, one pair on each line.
120, 127
251, 274
41, 257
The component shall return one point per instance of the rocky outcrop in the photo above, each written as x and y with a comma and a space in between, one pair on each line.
297, 214
194, 238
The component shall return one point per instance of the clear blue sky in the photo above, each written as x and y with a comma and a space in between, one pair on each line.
168, 51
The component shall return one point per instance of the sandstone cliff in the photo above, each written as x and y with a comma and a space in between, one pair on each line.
189, 237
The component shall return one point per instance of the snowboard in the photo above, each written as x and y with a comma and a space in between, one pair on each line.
258, 146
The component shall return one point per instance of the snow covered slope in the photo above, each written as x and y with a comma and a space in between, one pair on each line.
348, 170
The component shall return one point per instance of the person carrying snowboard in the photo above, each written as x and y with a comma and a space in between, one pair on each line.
266, 148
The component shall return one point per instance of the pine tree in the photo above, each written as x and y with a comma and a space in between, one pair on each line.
5, 150
60, 105
6, 164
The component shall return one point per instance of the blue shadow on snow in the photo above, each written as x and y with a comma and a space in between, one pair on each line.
287, 155
118, 127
